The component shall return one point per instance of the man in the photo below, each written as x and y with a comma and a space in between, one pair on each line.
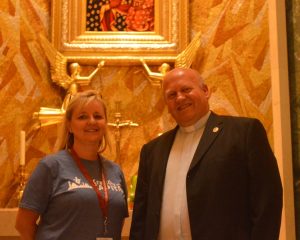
211, 178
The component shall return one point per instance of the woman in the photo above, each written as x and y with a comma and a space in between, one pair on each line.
76, 192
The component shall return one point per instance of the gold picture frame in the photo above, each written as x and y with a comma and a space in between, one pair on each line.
169, 38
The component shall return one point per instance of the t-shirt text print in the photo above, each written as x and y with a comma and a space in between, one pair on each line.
79, 183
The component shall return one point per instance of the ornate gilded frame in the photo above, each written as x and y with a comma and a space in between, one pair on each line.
69, 35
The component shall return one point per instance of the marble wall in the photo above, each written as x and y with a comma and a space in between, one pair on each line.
235, 62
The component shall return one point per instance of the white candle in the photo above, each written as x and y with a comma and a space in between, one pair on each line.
22, 148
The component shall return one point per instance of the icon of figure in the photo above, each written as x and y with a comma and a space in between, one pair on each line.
182, 60
140, 16
113, 15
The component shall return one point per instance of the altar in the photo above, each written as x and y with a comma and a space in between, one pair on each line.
8, 231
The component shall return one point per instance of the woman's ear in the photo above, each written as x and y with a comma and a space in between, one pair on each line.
69, 127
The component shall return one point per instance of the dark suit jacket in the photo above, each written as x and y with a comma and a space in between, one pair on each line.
233, 186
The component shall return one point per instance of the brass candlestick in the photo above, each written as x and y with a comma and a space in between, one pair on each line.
22, 182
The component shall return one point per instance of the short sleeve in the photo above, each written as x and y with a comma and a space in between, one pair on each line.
38, 189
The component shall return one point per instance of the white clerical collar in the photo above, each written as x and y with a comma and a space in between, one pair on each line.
199, 124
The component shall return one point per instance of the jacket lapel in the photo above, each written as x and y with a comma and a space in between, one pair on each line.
166, 144
211, 131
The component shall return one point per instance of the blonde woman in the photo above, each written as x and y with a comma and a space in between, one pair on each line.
76, 193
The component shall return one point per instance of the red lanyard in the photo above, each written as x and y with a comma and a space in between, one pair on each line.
103, 203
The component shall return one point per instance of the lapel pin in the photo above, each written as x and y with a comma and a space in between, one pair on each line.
215, 129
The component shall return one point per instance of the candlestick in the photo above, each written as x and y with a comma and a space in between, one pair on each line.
22, 148
21, 182
21, 177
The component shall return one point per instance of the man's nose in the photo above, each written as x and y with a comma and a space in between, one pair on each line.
180, 96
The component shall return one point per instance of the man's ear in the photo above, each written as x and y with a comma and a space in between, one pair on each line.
206, 90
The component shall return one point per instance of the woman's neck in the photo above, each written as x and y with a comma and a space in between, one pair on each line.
87, 152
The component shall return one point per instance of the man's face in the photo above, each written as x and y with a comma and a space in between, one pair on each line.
186, 96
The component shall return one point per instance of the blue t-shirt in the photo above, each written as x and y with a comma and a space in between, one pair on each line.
68, 206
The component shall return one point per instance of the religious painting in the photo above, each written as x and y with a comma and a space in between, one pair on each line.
120, 15
120, 31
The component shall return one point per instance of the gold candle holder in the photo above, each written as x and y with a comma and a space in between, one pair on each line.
20, 177
22, 182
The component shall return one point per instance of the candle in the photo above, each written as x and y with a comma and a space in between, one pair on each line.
22, 148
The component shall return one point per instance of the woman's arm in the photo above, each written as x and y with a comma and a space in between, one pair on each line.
26, 223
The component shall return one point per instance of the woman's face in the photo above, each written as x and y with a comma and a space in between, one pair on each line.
88, 123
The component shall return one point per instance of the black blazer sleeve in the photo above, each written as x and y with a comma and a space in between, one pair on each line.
265, 185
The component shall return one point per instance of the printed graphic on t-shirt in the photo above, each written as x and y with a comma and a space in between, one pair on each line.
79, 183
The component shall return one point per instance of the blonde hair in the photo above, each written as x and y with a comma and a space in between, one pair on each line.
81, 99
